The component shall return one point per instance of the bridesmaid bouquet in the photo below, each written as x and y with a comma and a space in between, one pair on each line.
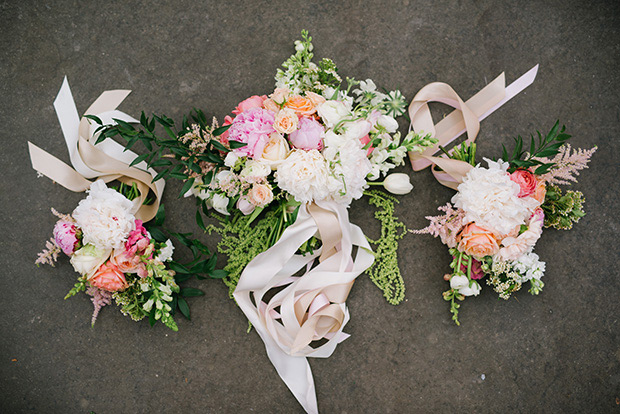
117, 258
498, 214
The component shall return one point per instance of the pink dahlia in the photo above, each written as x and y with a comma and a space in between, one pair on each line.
252, 127
65, 235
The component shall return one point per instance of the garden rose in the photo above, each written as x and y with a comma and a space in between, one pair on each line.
315, 98
477, 241
285, 121
109, 277
65, 235
87, 259
250, 103
260, 195
279, 95
526, 180
540, 192
270, 105
127, 262
301, 105
308, 136
275, 151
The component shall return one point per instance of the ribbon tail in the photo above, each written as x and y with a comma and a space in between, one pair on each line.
56, 170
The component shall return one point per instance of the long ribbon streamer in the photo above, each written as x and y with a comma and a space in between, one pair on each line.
107, 160
310, 307
465, 118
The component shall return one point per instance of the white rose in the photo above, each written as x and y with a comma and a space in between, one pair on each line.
219, 203
332, 112
254, 168
398, 183
88, 259
260, 195
275, 151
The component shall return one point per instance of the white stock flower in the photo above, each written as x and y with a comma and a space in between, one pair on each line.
304, 175
104, 217
387, 122
530, 267
490, 198
332, 112
219, 203
165, 253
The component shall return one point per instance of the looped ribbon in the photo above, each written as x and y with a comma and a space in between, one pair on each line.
107, 160
306, 308
465, 118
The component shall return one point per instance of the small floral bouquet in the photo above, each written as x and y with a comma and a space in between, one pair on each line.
308, 141
499, 212
117, 258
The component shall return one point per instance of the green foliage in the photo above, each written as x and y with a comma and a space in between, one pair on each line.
384, 272
465, 152
543, 147
451, 296
80, 286
561, 211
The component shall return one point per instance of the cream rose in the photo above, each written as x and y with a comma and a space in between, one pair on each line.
260, 195
88, 259
275, 151
279, 95
286, 121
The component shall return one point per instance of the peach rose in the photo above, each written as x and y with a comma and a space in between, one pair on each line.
286, 121
250, 103
477, 241
109, 277
315, 98
540, 192
302, 106
275, 151
270, 105
279, 95
526, 180
260, 195
128, 263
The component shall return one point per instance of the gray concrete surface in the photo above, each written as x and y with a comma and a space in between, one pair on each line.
558, 352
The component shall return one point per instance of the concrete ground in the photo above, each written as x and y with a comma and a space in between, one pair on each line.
558, 352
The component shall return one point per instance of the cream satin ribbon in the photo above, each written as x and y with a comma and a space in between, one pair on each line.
308, 307
465, 118
107, 160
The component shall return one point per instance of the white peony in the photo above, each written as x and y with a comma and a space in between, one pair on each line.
490, 198
304, 175
105, 217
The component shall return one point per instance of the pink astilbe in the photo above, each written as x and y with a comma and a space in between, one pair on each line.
61, 216
100, 298
446, 226
49, 255
567, 165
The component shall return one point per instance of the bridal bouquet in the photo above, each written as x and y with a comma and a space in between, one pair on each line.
116, 257
498, 214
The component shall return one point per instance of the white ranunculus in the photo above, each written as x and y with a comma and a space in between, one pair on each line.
219, 203
255, 168
275, 151
104, 216
398, 183
88, 259
304, 175
231, 159
165, 253
490, 198
332, 112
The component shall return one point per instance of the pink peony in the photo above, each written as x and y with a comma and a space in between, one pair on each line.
252, 127
526, 180
250, 103
308, 135
138, 239
65, 235
109, 277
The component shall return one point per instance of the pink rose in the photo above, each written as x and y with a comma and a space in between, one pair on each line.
308, 136
224, 137
128, 263
109, 277
252, 127
65, 234
526, 180
250, 103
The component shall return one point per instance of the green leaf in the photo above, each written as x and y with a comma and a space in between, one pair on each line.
163, 162
186, 187
218, 274
219, 131
199, 220
94, 118
160, 216
180, 278
139, 159
161, 175
218, 146
152, 319
191, 292
255, 214
158, 234
178, 268
236, 144
124, 124
183, 307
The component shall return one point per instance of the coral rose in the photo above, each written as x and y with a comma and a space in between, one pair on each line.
540, 192
526, 180
286, 121
301, 105
250, 103
477, 241
109, 277
315, 98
